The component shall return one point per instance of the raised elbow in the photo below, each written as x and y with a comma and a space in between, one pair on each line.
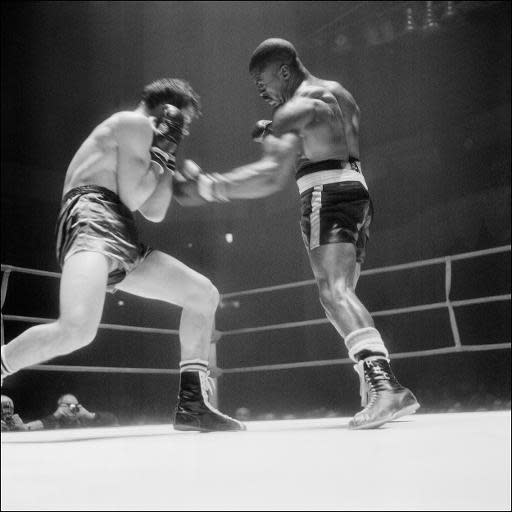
153, 214
153, 217
157, 218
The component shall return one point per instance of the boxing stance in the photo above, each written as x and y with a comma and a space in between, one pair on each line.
127, 164
336, 212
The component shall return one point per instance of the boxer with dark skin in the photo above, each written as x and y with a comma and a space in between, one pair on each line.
336, 212
127, 164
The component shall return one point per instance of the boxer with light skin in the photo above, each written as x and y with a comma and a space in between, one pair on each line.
336, 212
127, 164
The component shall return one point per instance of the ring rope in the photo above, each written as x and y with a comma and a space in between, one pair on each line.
398, 355
384, 312
115, 327
379, 270
101, 369
447, 260
269, 367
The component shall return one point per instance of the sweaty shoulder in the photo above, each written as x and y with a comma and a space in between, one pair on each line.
131, 125
316, 91
342, 95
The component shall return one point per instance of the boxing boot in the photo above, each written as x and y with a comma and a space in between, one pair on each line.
194, 411
382, 396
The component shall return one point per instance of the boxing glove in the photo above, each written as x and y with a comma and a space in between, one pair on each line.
193, 187
166, 139
261, 130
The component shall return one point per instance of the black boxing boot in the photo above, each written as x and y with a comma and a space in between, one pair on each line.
194, 411
382, 396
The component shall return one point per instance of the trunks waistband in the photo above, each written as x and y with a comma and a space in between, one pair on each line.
327, 165
329, 177
87, 189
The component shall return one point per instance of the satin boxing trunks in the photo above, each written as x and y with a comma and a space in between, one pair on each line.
335, 205
93, 218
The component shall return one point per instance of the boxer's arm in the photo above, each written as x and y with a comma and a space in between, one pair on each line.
134, 135
257, 179
297, 113
156, 205
267, 175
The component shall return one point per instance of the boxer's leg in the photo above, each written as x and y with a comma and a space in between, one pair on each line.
335, 269
162, 277
82, 294
357, 274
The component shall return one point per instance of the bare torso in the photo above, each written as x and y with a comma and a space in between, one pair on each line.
98, 160
334, 137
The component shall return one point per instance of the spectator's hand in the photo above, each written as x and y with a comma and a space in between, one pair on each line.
17, 423
84, 413
64, 411
13, 423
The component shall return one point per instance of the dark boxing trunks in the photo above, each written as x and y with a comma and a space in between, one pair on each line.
93, 218
336, 212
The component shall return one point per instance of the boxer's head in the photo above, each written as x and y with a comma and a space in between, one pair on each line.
276, 68
171, 91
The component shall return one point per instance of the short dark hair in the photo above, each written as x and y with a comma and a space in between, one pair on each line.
273, 50
175, 91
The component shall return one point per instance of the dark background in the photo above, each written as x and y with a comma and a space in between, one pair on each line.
435, 145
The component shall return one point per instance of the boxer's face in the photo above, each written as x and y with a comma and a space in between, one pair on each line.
270, 84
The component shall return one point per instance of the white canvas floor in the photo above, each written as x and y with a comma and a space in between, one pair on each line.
457, 461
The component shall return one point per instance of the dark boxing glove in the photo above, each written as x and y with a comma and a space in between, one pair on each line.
166, 139
261, 130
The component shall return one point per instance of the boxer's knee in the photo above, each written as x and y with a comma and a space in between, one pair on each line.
204, 297
212, 296
75, 334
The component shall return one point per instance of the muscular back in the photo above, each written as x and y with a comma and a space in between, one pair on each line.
350, 116
115, 156
95, 162
333, 132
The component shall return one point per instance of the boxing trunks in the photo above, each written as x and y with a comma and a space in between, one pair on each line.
93, 218
335, 203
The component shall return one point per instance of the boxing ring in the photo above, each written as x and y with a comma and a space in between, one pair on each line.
425, 462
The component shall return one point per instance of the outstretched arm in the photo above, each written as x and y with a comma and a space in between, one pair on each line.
192, 187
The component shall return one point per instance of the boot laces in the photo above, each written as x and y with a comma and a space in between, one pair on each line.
370, 378
207, 390
210, 385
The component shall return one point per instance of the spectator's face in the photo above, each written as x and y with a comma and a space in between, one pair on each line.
69, 405
7, 407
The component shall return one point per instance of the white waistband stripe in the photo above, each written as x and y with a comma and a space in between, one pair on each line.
327, 177
314, 218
